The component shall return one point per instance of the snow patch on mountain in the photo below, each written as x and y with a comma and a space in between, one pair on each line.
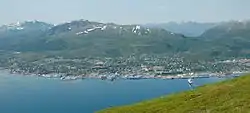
92, 29
79, 33
19, 28
136, 29
104, 27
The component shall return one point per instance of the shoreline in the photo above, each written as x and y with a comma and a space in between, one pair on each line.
113, 77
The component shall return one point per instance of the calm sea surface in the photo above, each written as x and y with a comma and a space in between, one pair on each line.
26, 94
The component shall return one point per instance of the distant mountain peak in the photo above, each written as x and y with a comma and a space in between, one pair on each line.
84, 27
188, 28
229, 29
30, 24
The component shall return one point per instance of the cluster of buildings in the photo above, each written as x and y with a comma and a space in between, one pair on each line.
124, 67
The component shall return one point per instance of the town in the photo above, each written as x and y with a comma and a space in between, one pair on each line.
132, 67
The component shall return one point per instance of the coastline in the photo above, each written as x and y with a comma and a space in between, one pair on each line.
113, 77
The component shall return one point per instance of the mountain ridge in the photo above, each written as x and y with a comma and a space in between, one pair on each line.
83, 37
190, 28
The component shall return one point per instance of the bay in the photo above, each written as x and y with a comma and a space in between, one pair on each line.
26, 94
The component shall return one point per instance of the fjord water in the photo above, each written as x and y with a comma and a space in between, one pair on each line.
26, 94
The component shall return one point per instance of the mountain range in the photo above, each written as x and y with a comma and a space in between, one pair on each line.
192, 29
87, 38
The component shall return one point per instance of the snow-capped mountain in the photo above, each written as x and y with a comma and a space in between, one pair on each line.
85, 27
92, 38
77, 28
27, 25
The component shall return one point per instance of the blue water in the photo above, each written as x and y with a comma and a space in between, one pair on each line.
25, 94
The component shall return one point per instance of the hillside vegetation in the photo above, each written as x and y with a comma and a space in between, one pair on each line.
232, 96
83, 38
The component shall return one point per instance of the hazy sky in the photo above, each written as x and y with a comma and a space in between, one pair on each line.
124, 11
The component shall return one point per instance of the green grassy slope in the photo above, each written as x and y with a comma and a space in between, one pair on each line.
232, 96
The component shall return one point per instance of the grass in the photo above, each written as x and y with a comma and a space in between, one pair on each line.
231, 96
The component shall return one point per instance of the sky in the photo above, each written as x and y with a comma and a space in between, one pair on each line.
124, 11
